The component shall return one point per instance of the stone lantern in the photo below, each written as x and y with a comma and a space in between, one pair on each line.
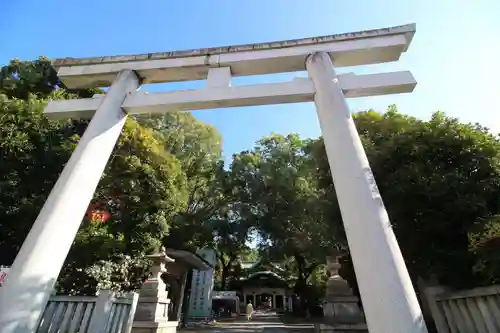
151, 315
154, 285
340, 307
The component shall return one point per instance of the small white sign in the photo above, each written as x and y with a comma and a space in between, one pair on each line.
3, 274
224, 293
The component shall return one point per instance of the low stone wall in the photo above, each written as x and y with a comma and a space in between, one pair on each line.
469, 311
103, 314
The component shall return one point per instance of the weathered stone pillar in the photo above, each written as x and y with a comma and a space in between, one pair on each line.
34, 272
151, 315
389, 300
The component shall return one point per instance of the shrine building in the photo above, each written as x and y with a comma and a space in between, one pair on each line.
264, 286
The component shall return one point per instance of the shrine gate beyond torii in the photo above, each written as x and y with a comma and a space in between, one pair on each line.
388, 297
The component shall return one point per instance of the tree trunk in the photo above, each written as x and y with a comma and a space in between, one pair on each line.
225, 274
226, 265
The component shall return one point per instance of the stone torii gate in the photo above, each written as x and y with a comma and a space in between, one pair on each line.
389, 300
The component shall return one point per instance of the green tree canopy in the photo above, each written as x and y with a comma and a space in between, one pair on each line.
198, 146
276, 181
19, 79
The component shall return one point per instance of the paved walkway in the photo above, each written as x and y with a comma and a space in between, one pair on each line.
262, 321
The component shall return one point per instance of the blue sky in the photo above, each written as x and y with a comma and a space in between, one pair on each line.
455, 55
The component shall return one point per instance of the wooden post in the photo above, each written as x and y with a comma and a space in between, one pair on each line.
180, 301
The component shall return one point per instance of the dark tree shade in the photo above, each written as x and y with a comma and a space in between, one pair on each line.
18, 79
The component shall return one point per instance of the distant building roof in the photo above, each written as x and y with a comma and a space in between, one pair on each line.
249, 264
263, 273
261, 279
255, 263
192, 259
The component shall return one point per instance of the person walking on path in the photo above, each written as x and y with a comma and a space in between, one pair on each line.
249, 310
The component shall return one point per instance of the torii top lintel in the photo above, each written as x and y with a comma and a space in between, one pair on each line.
348, 49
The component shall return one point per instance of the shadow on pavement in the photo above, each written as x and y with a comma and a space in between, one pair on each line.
262, 321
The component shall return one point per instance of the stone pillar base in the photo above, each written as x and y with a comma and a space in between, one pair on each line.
341, 328
342, 310
159, 327
153, 309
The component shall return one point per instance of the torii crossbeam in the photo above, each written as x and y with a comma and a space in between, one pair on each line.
389, 300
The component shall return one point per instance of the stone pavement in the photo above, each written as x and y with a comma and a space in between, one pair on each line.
262, 321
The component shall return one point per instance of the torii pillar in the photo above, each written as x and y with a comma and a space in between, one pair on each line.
389, 300
33, 275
